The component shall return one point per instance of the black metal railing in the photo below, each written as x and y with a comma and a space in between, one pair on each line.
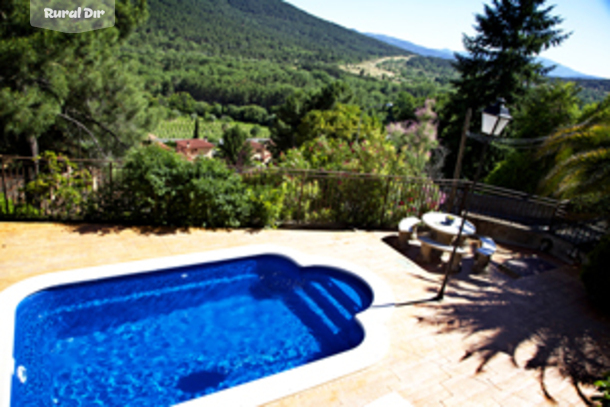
317, 198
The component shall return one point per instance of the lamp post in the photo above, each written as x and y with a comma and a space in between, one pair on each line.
495, 119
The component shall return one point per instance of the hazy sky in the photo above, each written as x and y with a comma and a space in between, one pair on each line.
440, 24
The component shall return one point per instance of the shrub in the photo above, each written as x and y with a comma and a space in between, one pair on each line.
373, 155
604, 387
4, 204
60, 186
349, 200
17, 210
215, 196
596, 276
160, 187
267, 206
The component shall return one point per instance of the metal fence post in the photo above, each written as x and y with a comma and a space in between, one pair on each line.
385, 201
301, 197
4, 189
559, 207
110, 177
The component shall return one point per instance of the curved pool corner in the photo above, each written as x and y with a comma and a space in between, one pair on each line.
372, 349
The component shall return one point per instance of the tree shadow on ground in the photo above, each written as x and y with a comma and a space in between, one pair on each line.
107, 229
549, 311
104, 229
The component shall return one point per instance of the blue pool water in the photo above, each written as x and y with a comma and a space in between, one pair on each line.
158, 339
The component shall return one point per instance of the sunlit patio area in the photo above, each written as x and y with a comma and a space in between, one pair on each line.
497, 339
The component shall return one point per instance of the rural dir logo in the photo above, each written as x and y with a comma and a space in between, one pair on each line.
72, 16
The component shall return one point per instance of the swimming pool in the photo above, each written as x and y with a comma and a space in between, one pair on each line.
234, 327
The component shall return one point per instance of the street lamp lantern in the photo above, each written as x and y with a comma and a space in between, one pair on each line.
495, 118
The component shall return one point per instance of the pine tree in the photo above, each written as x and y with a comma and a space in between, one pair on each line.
500, 63
235, 148
68, 91
196, 132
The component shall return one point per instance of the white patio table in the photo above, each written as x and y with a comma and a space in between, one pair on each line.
445, 226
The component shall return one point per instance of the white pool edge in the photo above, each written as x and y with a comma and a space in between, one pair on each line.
373, 320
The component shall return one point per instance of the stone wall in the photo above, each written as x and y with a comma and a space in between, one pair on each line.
525, 236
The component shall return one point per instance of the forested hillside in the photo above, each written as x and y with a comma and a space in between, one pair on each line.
261, 29
259, 52
592, 90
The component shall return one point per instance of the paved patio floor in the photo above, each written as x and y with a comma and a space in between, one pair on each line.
493, 341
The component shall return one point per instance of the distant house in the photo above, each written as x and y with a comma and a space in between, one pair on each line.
259, 151
194, 148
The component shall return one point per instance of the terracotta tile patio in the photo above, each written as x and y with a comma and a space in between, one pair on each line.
493, 341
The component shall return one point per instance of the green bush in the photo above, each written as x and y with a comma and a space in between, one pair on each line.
4, 206
596, 275
267, 206
60, 187
160, 187
21, 211
604, 387
362, 202
595, 204
520, 171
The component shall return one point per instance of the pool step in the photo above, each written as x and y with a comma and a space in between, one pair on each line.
341, 296
322, 313
312, 315
332, 309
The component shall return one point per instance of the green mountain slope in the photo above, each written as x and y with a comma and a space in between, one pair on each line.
260, 51
261, 29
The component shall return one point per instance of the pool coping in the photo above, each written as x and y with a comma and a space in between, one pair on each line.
372, 349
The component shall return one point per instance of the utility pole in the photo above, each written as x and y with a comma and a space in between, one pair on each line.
458, 163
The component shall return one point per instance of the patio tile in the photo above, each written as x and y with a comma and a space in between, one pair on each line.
390, 400
514, 401
479, 400
422, 395
365, 389
489, 317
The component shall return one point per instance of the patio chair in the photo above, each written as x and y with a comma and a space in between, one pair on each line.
431, 250
407, 229
482, 256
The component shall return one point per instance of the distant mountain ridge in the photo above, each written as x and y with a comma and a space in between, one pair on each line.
560, 71
259, 29
409, 46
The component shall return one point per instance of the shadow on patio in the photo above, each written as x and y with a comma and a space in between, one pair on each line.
106, 229
541, 322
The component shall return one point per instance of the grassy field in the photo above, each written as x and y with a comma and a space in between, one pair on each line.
184, 127
373, 67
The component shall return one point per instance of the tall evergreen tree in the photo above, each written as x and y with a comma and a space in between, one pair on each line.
500, 63
68, 91
235, 148
196, 132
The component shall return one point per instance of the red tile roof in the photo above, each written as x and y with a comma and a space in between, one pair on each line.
194, 143
256, 146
